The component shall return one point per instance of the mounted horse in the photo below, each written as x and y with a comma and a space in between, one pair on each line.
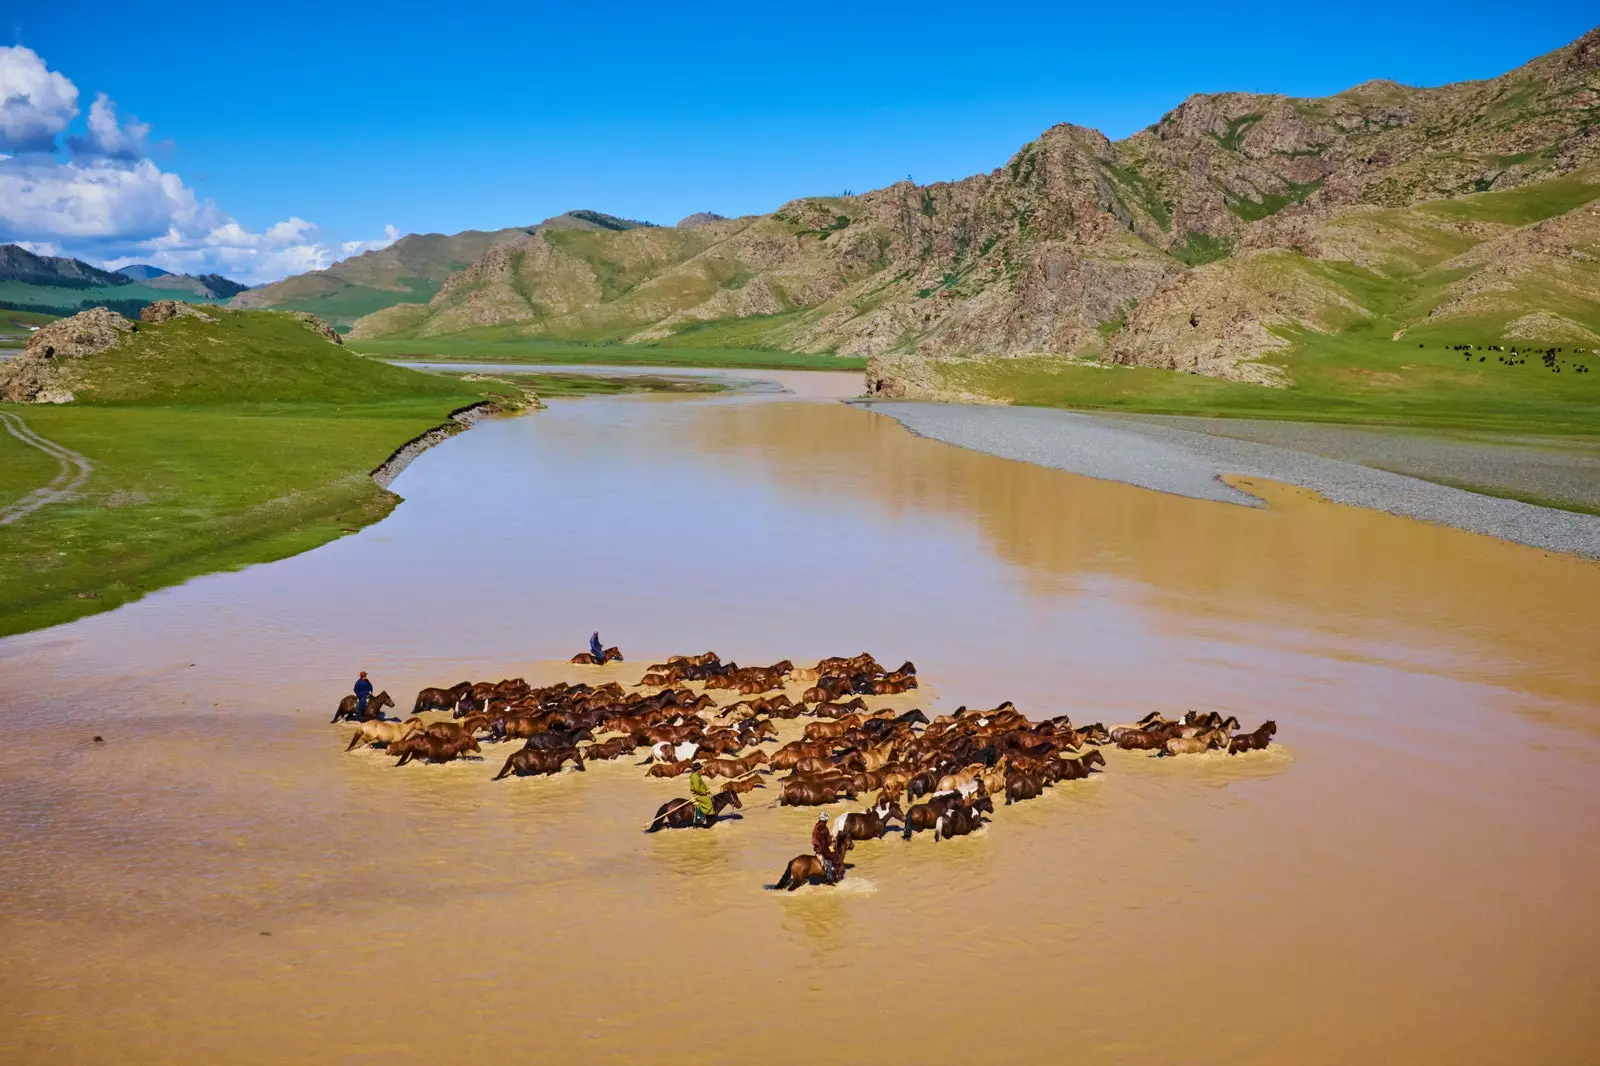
679, 813
809, 870
350, 709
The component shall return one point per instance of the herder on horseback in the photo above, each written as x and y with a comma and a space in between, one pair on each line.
705, 811
822, 844
363, 691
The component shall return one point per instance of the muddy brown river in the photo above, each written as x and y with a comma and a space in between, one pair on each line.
1409, 876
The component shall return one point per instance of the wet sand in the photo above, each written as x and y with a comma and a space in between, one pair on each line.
1409, 877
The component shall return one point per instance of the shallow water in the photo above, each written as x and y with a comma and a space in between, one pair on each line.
1408, 876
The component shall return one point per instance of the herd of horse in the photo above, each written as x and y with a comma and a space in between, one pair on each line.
937, 776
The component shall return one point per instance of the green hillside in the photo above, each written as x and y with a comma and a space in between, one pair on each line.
215, 445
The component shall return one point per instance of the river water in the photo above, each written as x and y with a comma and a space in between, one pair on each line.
1408, 876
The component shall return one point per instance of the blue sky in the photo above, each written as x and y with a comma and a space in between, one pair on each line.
353, 117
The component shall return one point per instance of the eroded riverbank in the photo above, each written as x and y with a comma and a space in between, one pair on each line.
1432, 807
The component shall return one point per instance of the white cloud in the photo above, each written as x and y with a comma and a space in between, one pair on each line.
349, 248
35, 103
108, 136
112, 205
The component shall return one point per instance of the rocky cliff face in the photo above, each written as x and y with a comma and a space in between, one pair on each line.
1191, 245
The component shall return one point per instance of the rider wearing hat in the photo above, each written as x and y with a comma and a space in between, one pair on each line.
705, 812
822, 844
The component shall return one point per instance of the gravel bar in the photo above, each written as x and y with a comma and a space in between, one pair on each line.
1189, 463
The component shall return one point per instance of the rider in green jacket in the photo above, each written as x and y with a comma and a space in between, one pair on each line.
704, 810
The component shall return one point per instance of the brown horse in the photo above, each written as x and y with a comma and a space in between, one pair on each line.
670, 769
734, 767
962, 819
441, 699
679, 813
1256, 741
869, 824
813, 794
610, 749
926, 815
1021, 785
533, 761
746, 783
1075, 769
350, 708
808, 869
584, 658
431, 749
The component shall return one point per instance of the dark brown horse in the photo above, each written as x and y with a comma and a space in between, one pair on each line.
431, 749
962, 819
350, 708
533, 761
442, 699
679, 813
808, 869
1256, 741
927, 815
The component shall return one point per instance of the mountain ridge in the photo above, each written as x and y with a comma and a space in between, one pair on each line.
1079, 245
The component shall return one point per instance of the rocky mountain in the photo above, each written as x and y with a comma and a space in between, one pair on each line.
20, 265
410, 269
59, 285
1202, 243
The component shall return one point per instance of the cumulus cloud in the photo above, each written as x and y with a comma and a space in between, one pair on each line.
111, 204
35, 103
108, 136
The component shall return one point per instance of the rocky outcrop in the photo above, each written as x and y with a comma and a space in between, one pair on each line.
43, 372
699, 218
317, 326
167, 310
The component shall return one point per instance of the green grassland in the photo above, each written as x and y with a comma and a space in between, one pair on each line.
1349, 379
60, 299
215, 446
491, 346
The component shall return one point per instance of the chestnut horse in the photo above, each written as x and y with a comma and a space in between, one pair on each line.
808, 869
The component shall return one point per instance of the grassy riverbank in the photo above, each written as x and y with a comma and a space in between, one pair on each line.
491, 350
215, 445
1416, 382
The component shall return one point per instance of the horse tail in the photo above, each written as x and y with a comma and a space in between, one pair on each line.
907, 834
506, 769
355, 740
661, 819
784, 879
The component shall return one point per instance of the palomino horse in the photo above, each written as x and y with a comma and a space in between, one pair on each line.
384, 732
349, 708
808, 869
679, 813
584, 658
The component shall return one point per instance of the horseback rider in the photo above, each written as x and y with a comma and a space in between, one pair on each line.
363, 694
595, 649
705, 812
822, 844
